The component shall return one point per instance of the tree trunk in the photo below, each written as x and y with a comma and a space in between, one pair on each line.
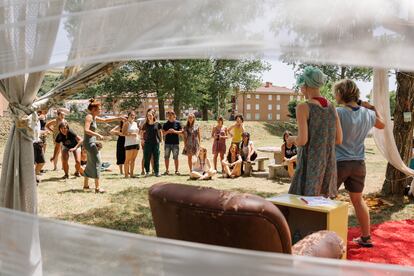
161, 108
403, 133
343, 71
204, 110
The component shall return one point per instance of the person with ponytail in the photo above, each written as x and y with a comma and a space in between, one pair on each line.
93, 164
319, 130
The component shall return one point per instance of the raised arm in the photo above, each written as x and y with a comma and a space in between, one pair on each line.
116, 131
108, 120
379, 121
51, 125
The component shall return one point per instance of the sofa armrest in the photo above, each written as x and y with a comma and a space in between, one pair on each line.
325, 244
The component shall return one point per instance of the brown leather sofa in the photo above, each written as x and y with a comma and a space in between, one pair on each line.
225, 218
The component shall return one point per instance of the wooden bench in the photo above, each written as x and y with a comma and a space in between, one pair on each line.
277, 170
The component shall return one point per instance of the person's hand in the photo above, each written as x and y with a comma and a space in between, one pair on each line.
171, 130
367, 105
100, 137
291, 139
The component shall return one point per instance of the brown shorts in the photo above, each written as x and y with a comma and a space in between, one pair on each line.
352, 173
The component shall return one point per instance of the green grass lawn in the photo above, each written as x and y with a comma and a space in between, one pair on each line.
125, 206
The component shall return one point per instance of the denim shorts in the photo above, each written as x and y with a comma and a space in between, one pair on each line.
168, 148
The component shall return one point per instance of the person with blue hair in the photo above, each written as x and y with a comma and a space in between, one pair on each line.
319, 129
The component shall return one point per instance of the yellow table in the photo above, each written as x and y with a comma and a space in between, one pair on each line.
305, 219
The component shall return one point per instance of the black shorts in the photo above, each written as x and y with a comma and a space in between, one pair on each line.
132, 147
39, 157
352, 173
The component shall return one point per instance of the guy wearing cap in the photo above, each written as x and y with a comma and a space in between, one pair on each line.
171, 130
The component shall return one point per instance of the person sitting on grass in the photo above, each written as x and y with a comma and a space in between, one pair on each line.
233, 163
71, 143
201, 167
357, 119
289, 153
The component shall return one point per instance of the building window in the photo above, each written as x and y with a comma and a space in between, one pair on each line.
269, 97
248, 106
278, 117
257, 97
248, 116
248, 96
291, 98
269, 116
278, 107
269, 107
257, 107
257, 116
277, 97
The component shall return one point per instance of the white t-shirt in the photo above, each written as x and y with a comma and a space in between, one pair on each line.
131, 140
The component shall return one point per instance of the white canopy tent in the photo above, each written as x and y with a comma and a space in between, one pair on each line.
36, 35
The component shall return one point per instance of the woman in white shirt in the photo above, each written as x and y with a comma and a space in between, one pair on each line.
201, 167
131, 132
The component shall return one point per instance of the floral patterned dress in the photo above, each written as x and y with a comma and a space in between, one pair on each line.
192, 144
316, 162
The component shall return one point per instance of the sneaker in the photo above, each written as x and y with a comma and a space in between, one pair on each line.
166, 173
364, 241
177, 173
147, 175
157, 175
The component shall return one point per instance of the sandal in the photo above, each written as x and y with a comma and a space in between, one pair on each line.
364, 241
99, 191
86, 189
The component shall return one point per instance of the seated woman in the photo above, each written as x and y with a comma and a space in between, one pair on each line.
201, 167
233, 163
71, 143
289, 153
247, 151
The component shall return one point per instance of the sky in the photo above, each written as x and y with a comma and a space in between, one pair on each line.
282, 74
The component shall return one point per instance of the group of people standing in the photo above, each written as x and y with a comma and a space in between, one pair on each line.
149, 134
330, 144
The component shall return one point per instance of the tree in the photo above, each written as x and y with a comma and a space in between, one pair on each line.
292, 108
396, 181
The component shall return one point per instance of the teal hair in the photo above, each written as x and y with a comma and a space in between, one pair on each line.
311, 77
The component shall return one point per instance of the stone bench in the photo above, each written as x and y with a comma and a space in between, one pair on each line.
260, 161
248, 168
277, 170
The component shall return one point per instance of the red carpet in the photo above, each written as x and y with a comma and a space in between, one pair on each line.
393, 243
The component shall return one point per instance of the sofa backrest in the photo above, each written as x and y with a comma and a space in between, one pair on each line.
224, 218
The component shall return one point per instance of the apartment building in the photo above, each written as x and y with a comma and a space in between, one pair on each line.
266, 103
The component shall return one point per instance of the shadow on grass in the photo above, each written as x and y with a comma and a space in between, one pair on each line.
129, 211
73, 191
383, 213
53, 179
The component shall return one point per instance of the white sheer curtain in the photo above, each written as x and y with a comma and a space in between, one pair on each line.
73, 249
32, 44
384, 138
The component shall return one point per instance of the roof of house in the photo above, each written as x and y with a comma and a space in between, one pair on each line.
269, 88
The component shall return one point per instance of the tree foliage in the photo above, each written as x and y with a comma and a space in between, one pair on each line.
206, 85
